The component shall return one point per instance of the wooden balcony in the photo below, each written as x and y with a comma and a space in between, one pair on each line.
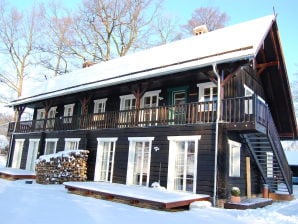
236, 112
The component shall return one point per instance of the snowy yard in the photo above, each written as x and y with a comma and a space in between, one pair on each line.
2, 160
22, 203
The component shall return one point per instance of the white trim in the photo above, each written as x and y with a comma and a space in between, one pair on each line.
185, 138
99, 155
69, 140
96, 104
55, 140
68, 108
202, 87
248, 104
234, 158
112, 139
131, 158
141, 139
32, 153
17, 154
172, 160
152, 93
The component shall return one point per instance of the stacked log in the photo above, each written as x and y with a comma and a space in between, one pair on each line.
70, 165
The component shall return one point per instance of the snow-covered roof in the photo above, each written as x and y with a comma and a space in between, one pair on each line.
240, 41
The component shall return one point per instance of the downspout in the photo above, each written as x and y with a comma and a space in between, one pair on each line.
214, 66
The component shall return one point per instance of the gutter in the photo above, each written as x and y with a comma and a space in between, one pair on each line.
214, 66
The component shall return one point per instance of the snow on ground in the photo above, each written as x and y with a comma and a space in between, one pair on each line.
2, 160
34, 203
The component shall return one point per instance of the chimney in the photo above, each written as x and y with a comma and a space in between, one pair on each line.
199, 30
88, 64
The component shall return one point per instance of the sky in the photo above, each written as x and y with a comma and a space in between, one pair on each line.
238, 10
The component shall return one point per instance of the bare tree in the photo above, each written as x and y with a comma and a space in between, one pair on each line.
106, 29
209, 16
165, 28
17, 35
53, 48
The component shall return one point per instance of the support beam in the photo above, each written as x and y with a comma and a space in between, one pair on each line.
262, 67
84, 103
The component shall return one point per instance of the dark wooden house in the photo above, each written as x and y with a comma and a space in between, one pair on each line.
199, 115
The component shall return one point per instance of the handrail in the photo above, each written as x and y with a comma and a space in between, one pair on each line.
234, 110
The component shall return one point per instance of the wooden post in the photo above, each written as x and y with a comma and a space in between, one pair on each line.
248, 178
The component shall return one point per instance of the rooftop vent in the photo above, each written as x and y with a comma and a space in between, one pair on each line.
199, 30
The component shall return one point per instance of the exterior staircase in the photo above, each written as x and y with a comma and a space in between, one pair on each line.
270, 158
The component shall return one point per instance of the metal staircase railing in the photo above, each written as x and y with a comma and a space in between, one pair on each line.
268, 152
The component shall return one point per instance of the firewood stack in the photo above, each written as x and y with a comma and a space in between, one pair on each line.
70, 165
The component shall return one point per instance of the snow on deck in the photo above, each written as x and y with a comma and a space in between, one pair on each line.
14, 171
157, 195
16, 174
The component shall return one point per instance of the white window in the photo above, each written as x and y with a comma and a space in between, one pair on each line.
51, 118
32, 154
207, 96
182, 168
248, 104
99, 109
40, 118
68, 112
17, 155
234, 158
105, 159
269, 164
149, 103
139, 158
127, 102
72, 143
50, 147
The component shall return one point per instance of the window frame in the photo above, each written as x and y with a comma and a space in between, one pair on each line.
131, 159
76, 142
17, 154
32, 153
68, 117
234, 163
110, 164
47, 140
173, 141
201, 96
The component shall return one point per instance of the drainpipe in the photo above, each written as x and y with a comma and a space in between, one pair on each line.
214, 66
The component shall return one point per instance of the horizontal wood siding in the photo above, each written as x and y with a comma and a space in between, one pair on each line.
240, 181
159, 159
245, 75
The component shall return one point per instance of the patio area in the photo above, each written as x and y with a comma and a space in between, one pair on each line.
155, 198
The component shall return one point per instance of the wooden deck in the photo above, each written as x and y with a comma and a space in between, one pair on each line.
136, 195
251, 203
16, 174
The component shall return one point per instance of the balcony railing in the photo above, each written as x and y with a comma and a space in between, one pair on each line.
242, 109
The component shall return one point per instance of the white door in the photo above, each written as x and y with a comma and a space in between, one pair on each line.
139, 158
32, 154
17, 155
105, 160
182, 168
